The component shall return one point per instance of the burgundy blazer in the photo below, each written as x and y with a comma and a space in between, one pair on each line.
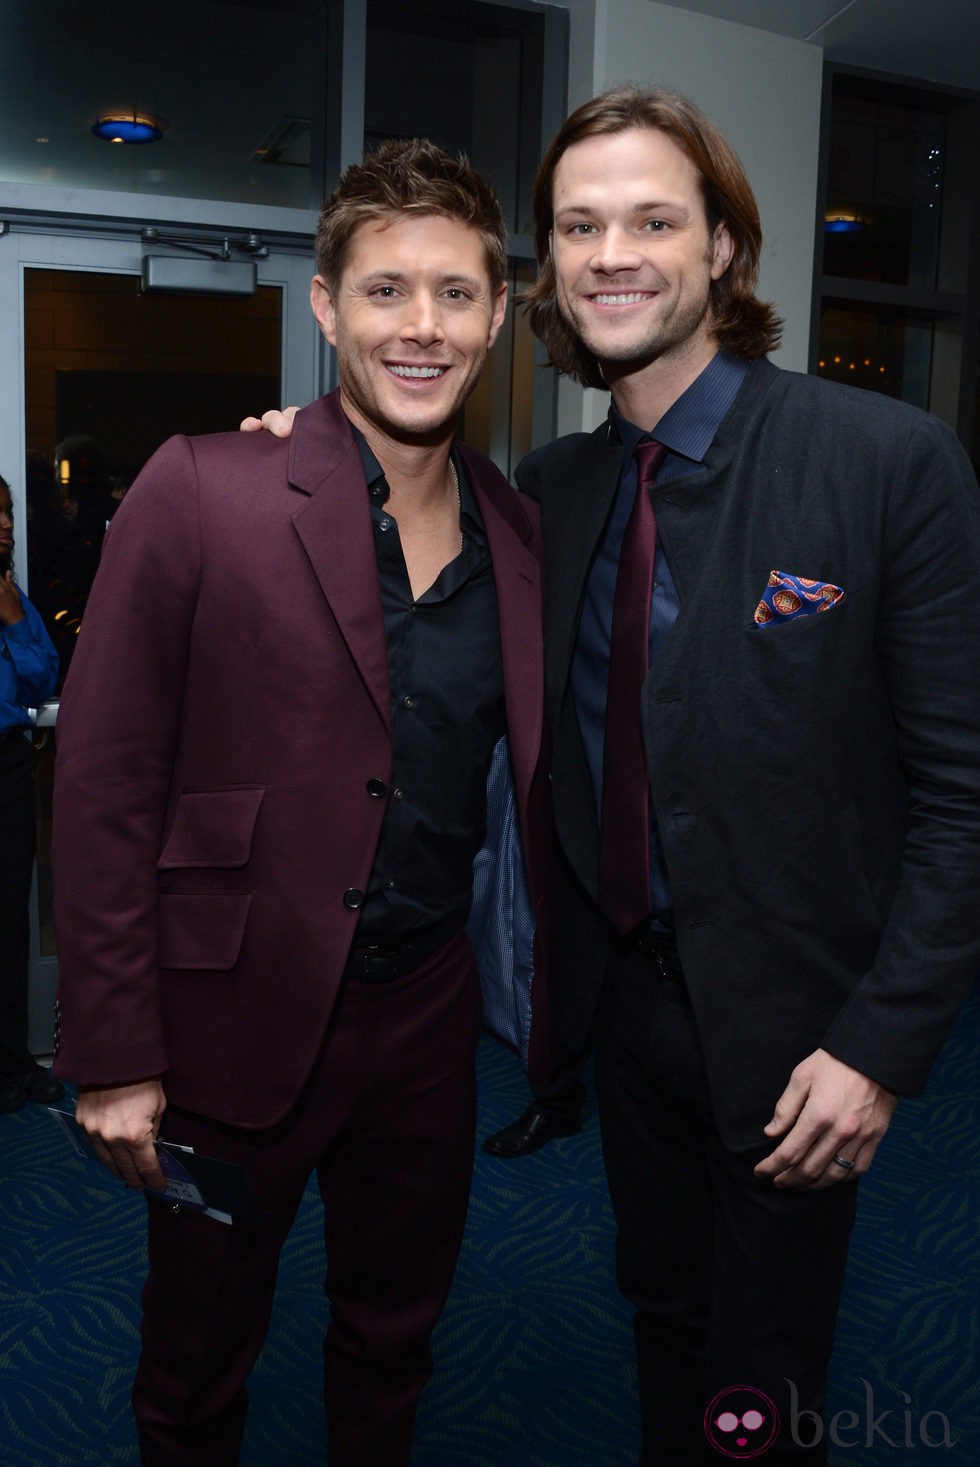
224, 721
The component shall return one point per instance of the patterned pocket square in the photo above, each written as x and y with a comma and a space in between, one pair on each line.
787, 597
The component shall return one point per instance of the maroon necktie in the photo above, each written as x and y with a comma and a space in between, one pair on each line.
624, 846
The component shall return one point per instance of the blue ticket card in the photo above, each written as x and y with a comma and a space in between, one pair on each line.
181, 1186
197, 1183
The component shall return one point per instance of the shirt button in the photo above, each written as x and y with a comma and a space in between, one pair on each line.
353, 899
376, 788
385, 523
408, 702
390, 884
398, 794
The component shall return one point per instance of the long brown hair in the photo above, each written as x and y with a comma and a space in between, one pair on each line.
742, 324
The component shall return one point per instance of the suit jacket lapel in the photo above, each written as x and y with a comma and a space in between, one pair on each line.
573, 518
334, 525
517, 576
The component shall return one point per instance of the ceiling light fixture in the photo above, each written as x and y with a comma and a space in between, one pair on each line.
129, 127
837, 221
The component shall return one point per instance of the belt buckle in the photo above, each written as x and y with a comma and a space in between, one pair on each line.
376, 963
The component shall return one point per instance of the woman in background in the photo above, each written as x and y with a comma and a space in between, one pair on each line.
28, 674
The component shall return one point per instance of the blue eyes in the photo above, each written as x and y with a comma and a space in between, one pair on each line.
586, 230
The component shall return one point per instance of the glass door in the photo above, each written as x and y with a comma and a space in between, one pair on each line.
106, 374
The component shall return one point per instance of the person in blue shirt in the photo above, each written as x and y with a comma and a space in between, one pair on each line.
28, 674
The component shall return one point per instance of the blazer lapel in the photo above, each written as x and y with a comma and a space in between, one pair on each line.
334, 524
573, 517
517, 577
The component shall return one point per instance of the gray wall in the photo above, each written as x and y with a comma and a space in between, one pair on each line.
763, 90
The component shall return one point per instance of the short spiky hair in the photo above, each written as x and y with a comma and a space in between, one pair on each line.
410, 177
742, 324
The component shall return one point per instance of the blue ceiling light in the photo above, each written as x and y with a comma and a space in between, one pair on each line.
129, 127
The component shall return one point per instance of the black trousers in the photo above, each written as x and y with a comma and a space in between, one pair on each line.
17, 848
577, 933
734, 1283
562, 1093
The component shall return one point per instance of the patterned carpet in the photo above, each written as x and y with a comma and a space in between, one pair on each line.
533, 1353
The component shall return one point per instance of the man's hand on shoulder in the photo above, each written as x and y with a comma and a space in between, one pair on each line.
122, 1123
279, 424
828, 1115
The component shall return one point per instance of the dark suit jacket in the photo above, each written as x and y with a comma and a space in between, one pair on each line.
816, 781
225, 720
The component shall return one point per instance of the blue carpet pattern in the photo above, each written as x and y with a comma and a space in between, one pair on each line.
533, 1353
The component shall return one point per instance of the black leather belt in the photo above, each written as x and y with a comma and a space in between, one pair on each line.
660, 948
376, 962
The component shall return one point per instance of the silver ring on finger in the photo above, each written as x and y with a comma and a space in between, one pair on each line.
840, 1161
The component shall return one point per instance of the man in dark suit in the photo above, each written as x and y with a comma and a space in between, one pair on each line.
766, 785
306, 698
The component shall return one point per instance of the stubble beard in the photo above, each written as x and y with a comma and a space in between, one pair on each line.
688, 322
685, 323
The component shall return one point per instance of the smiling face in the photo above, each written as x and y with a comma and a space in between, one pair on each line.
634, 258
412, 319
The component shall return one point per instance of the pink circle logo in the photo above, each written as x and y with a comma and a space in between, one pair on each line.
741, 1422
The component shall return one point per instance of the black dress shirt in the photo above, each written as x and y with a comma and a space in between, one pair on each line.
447, 710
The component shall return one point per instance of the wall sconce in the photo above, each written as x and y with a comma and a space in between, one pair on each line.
129, 127
839, 221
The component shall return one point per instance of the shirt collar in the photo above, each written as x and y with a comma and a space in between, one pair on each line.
378, 489
689, 425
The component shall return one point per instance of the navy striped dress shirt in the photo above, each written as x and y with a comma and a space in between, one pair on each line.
686, 430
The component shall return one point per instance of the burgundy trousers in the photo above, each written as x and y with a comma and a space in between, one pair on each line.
387, 1122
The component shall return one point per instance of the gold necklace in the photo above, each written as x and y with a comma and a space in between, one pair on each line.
459, 502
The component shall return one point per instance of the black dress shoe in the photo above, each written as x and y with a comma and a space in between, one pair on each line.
530, 1131
41, 1086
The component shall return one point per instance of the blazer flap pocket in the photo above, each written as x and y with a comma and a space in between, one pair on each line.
201, 929
212, 828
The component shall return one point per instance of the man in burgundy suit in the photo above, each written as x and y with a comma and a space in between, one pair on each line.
299, 749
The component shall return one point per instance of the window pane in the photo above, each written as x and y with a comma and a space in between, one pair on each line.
469, 77
885, 192
882, 349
